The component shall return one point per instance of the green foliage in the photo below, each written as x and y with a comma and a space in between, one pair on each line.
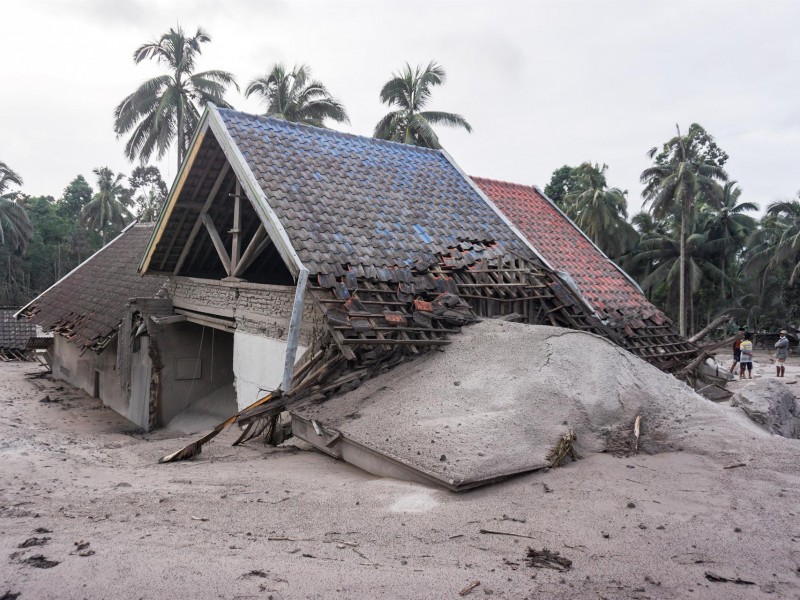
562, 182
408, 92
684, 175
294, 96
76, 195
150, 192
107, 212
15, 226
601, 212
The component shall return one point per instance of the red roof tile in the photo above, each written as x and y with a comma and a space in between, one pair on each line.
565, 247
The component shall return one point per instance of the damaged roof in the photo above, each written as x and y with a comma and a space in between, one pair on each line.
345, 202
347, 199
604, 285
87, 305
14, 334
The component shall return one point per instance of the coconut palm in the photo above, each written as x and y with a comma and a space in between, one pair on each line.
776, 243
727, 224
294, 96
684, 171
659, 255
601, 212
167, 108
15, 226
409, 92
107, 208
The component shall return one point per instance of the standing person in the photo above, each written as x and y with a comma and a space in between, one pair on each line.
746, 359
781, 352
737, 353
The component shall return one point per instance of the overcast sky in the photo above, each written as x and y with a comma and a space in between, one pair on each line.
542, 83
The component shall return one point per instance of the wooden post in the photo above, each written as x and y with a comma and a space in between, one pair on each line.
237, 227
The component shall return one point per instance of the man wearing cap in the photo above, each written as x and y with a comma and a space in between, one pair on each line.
782, 351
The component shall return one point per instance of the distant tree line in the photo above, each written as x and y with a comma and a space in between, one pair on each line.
695, 251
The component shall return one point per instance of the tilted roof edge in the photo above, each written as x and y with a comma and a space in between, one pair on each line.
571, 222
68, 275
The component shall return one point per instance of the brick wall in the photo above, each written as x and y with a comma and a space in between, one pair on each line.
257, 308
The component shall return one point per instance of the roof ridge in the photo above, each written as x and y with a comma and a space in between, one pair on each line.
531, 186
329, 131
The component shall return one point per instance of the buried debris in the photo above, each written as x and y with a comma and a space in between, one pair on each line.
563, 450
469, 588
721, 579
34, 541
637, 428
40, 562
546, 559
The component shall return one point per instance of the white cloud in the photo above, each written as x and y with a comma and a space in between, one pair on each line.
543, 83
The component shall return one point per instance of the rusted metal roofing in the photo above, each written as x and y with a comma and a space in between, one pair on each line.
87, 305
14, 334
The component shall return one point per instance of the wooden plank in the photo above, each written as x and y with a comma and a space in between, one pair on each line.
220, 247
257, 245
196, 227
390, 342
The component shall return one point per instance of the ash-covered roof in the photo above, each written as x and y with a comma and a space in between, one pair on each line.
87, 305
349, 200
14, 334
565, 247
346, 199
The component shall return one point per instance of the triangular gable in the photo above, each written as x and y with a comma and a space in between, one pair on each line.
338, 202
216, 223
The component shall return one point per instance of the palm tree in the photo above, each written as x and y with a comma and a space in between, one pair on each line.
683, 171
409, 91
728, 225
15, 226
601, 212
294, 97
107, 207
167, 107
659, 255
776, 243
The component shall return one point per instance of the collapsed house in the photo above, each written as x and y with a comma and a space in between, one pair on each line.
333, 257
610, 292
84, 311
18, 338
292, 263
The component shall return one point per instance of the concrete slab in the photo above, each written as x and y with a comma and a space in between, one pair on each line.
492, 405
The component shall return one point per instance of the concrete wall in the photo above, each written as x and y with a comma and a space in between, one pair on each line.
258, 364
259, 309
79, 369
179, 346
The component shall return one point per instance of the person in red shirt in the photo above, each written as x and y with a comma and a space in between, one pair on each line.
737, 353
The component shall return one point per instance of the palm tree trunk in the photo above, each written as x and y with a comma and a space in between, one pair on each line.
682, 289
181, 148
722, 284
